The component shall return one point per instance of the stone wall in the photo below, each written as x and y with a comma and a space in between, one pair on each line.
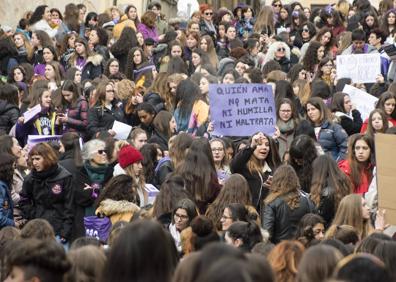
11, 11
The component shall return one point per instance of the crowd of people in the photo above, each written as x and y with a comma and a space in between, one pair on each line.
171, 201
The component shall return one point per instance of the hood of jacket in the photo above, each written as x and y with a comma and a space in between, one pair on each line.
95, 59
110, 207
5, 107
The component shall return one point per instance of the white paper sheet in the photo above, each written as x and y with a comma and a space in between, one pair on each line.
31, 113
122, 130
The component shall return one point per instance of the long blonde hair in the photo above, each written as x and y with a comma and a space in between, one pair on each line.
265, 20
211, 51
349, 212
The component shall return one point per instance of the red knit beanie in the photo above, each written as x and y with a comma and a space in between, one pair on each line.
128, 155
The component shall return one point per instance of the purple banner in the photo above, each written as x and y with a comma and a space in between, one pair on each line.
242, 109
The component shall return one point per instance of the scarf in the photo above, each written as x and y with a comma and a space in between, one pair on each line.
96, 174
285, 127
45, 173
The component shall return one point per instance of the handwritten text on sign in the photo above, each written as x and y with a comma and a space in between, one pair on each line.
242, 109
361, 68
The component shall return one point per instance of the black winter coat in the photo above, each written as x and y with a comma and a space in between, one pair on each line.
102, 119
239, 165
159, 139
281, 221
350, 125
9, 114
326, 208
49, 195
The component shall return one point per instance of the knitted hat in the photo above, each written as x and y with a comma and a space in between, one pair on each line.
128, 155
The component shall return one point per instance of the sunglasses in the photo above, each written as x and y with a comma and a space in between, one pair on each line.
101, 152
208, 14
281, 49
305, 29
277, 5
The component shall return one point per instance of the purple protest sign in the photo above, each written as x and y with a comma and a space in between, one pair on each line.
242, 109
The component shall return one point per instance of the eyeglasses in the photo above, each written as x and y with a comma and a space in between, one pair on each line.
101, 152
281, 49
181, 216
217, 149
209, 13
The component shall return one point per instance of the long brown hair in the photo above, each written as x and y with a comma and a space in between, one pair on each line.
349, 212
385, 124
355, 165
255, 165
327, 173
284, 259
285, 184
235, 190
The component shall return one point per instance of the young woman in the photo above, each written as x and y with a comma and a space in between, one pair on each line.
231, 213
48, 191
360, 162
130, 161
122, 46
199, 172
313, 56
189, 107
74, 109
349, 118
220, 159
377, 123
207, 45
329, 186
139, 69
304, 34
198, 59
326, 39
353, 211
285, 205
164, 127
245, 25
386, 103
98, 38
138, 138
67, 48
310, 229
49, 55
257, 164
184, 212
389, 24
44, 123
41, 19
286, 122
146, 113
8, 107
25, 50
244, 235
7, 163
106, 110
53, 74
283, 20
331, 136
235, 191
148, 26
324, 71
39, 40
89, 63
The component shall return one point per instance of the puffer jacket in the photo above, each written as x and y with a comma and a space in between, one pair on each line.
334, 140
117, 210
281, 221
9, 114
49, 195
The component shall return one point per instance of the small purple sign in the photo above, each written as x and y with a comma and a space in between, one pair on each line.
242, 109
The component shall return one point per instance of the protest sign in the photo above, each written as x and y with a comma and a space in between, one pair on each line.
385, 154
242, 109
35, 139
122, 130
31, 113
361, 68
363, 101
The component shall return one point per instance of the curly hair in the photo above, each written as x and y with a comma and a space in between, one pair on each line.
310, 59
126, 41
235, 190
119, 188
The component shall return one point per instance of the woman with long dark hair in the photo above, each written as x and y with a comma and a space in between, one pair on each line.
9, 111
360, 162
257, 164
73, 114
164, 128
349, 118
329, 186
138, 68
41, 19
331, 136
285, 205
98, 38
122, 46
199, 172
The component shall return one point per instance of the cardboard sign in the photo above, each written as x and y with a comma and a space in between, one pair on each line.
361, 68
386, 177
363, 101
242, 109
